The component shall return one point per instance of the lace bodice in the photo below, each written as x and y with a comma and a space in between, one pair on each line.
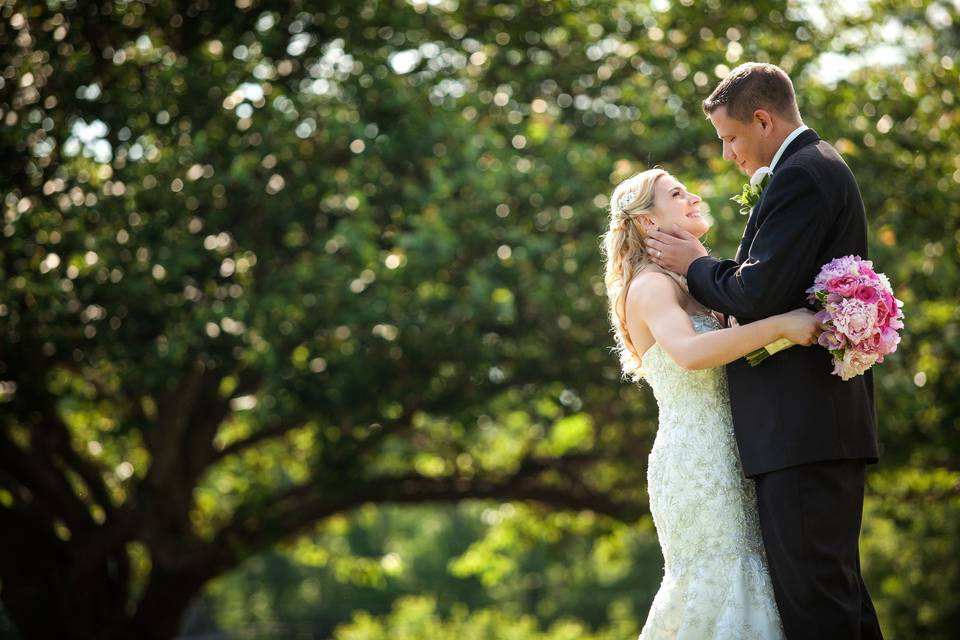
677, 390
715, 581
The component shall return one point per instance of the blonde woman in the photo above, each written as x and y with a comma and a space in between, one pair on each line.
716, 583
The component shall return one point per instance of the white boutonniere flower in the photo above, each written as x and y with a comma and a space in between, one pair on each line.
750, 194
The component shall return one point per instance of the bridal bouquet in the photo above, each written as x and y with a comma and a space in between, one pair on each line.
861, 316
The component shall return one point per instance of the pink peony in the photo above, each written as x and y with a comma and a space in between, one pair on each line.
832, 340
867, 294
884, 282
853, 363
873, 343
847, 265
845, 285
883, 310
888, 311
883, 319
855, 319
889, 339
889, 302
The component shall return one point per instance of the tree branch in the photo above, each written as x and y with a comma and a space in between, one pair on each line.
46, 485
296, 508
267, 433
60, 441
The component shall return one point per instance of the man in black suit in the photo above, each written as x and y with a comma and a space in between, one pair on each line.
804, 435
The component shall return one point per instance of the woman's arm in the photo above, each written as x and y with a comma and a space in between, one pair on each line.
653, 301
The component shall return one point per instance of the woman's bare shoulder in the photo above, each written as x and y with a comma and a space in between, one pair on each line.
652, 284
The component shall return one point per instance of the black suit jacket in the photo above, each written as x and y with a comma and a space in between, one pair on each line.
790, 409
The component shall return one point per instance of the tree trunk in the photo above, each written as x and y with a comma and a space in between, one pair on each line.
41, 591
42, 605
79, 589
160, 611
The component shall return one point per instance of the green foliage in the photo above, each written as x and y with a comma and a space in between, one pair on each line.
414, 618
909, 543
265, 263
518, 558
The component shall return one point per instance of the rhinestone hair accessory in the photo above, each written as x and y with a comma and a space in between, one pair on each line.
627, 199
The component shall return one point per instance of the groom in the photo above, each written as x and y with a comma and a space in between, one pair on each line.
804, 435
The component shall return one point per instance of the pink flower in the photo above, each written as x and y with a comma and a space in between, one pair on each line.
889, 302
884, 283
888, 311
832, 340
847, 265
855, 319
853, 363
872, 343
889, 339
845, 285
842, 265
883, 319
867, 294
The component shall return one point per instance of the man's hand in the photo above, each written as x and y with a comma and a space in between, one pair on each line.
674, 252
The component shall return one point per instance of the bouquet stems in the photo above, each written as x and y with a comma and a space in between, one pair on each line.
761, 354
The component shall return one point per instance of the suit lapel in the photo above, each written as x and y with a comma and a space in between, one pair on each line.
807, 137
747, 238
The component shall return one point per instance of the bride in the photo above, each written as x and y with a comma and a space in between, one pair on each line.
716, 583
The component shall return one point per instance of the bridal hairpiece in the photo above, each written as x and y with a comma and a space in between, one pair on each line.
627, 199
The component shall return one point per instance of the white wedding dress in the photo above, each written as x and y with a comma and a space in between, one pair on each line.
716, 584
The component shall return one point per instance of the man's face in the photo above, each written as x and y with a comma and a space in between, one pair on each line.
743, 142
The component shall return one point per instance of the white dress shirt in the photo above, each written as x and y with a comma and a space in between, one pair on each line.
783, 147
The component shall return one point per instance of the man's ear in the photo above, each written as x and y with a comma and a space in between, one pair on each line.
762, 116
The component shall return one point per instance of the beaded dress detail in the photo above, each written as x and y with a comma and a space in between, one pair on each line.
716, 584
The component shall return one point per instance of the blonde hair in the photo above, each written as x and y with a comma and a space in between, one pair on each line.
624, 257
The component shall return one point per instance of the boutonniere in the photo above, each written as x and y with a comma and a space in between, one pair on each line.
750, 194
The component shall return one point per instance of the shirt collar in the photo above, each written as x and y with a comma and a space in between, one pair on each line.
783, 147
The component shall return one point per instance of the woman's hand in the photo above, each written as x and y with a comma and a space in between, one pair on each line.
800, 327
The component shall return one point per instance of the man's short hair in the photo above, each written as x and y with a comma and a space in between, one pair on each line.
752, 86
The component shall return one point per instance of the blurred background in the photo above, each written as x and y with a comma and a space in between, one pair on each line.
303, 330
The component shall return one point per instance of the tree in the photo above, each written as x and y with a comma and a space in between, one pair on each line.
242, 293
